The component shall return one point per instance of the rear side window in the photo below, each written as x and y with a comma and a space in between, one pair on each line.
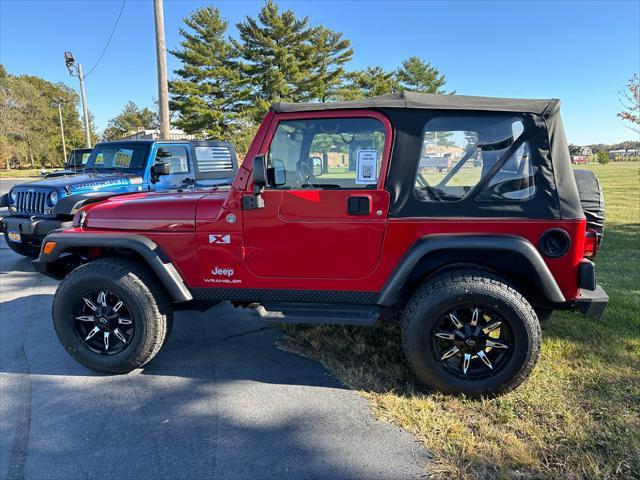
459, 152
175, 156
331, 153
514, 181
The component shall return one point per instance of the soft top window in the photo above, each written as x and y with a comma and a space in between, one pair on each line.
459, 152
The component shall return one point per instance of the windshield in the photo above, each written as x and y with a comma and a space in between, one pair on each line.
129, 158
79, 157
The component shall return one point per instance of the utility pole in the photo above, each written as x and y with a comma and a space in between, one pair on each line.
161, 53
76, 69
64, 146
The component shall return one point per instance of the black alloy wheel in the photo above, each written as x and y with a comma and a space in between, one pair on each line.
103, 322
472, 341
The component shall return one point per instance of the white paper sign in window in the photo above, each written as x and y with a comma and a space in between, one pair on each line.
366, 167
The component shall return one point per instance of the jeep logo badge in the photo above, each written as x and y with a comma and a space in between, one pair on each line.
225, 272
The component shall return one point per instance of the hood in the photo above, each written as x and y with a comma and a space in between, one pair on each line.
89, 182
149, 211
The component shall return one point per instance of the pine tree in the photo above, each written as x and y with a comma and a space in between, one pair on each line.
207, 93
130, 120
417, 75
329, 53
275, 55
369, 82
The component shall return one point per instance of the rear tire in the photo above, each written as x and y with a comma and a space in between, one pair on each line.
23, 249
464, 362
141, 331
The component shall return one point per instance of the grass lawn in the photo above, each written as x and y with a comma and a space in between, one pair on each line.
32, 172
578, 416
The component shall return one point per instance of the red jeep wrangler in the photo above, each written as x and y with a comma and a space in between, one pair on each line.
333, 219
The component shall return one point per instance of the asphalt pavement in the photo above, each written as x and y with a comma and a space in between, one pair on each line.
7, 183
219, 401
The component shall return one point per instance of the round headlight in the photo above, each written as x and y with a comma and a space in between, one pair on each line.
52, 199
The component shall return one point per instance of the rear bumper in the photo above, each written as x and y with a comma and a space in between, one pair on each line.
592, 302
33, 230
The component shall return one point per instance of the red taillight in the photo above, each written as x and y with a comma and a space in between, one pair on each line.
590, 244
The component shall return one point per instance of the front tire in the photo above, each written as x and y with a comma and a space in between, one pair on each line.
23, 249
468, 332
111, 315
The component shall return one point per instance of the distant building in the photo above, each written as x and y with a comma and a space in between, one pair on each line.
586, 152
174, 134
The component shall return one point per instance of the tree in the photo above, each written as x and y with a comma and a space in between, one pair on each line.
275, 56
603, 157
130, 120
207, 93
329, 53
417, 75
29, 126
574, 149
368, 82
631, 102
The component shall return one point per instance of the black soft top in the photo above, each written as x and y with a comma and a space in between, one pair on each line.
557, 194
404, 99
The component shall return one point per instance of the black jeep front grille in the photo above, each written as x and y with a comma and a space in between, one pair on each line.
30, 202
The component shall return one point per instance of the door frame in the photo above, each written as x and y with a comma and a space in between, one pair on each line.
154, 152
356, 113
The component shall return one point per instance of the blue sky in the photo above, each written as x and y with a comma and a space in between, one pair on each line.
582, 52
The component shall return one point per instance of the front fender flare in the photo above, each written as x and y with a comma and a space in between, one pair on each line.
146, 248
392, 291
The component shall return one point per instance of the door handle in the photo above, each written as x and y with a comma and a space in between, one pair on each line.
358, 205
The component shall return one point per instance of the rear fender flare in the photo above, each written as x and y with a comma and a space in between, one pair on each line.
143, 246
393, 291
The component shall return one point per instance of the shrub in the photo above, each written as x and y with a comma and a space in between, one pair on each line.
603, 158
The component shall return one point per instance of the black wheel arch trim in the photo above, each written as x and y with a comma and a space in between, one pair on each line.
392, 291
146, 248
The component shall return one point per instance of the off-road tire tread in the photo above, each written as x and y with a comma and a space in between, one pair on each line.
449, 282
158, 311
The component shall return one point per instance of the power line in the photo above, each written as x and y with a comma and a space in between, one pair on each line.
108, 41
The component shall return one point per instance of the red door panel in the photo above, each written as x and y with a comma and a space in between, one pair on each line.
310, 234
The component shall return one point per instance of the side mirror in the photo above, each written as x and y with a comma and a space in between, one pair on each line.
259, 173
277, 174
249, 202
160, 169
316, 162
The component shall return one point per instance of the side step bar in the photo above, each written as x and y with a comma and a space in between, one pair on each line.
318, 313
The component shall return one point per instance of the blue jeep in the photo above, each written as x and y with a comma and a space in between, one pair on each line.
113, 168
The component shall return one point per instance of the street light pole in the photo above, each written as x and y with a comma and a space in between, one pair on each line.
64, 146
85, 113
76, 69
161, 53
